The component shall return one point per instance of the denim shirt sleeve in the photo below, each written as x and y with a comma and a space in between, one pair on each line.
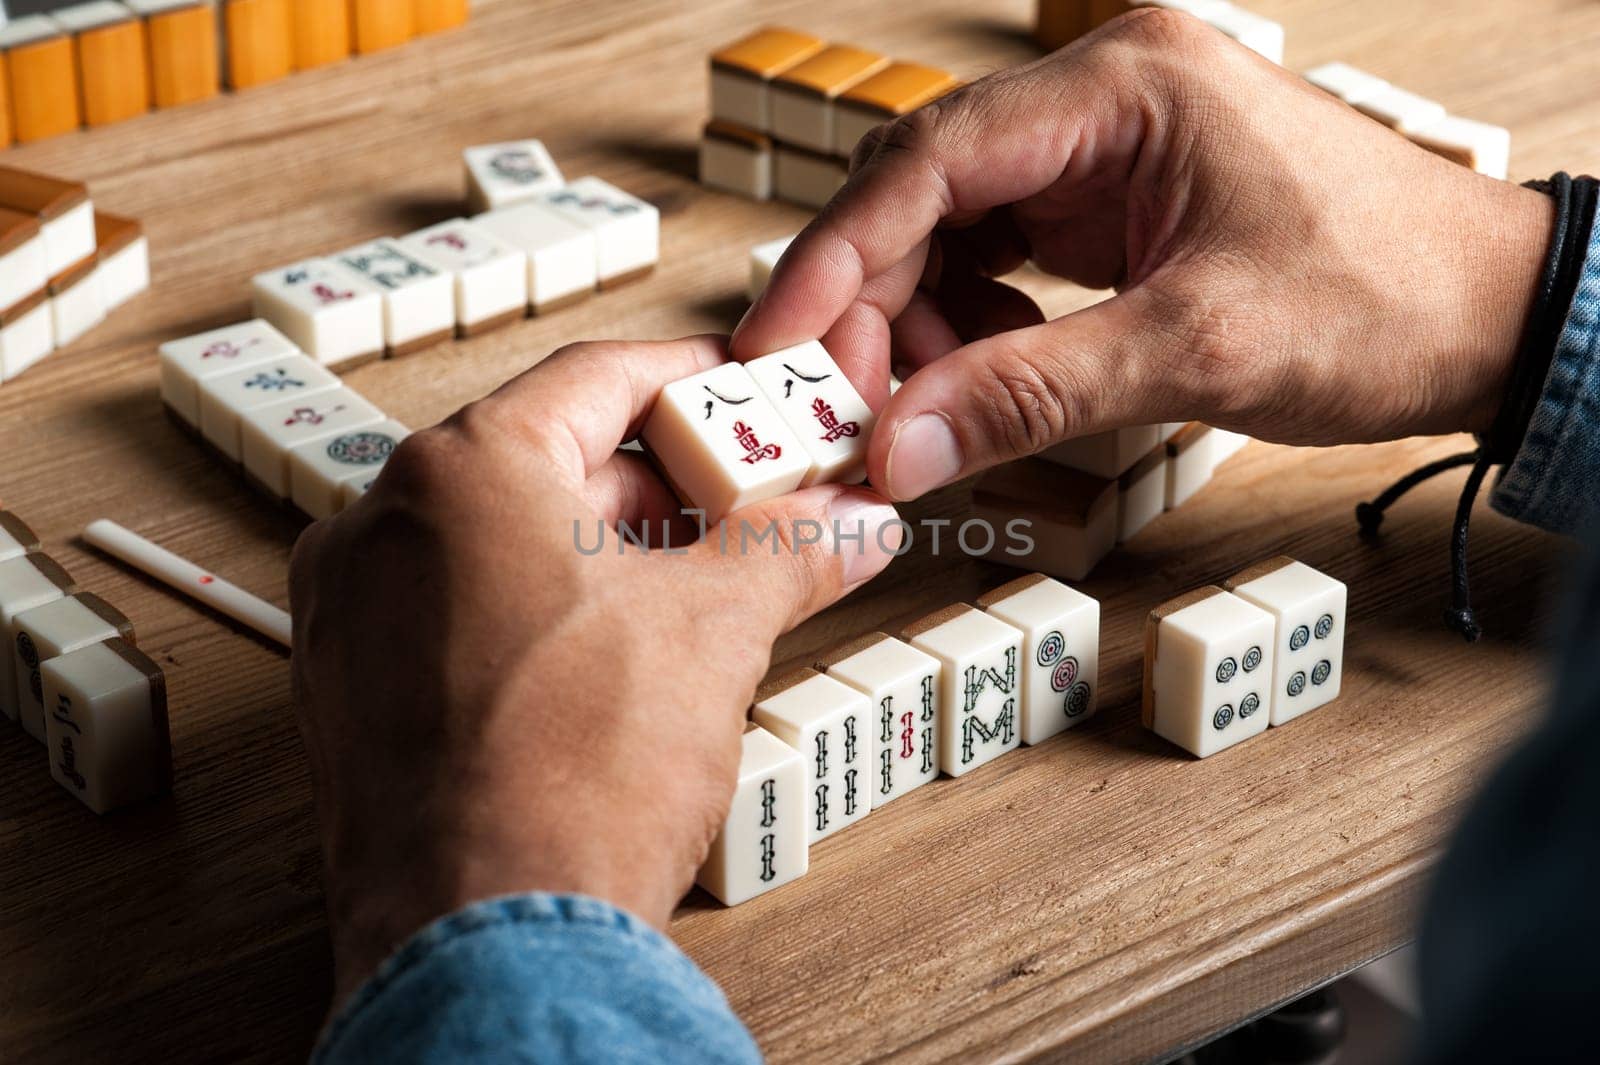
1554, 481
537, 978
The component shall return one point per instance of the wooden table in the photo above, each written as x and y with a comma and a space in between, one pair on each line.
1100, 896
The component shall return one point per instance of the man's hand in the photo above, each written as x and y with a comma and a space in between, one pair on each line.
489, 710
1285, 267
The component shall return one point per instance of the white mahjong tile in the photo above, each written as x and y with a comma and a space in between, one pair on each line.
503, 174
562, 255
356, 487
901, 684
980, 684
27, 335
1105, 454
762, 845
491, 277
16, 539
763, 260
627, 229
77, 303
1141, 493
736, 160
1041, 517
419, 301
806, 178
334, 314
1207, 670
1400, 110
224, 397
1227, 443
319, 469
1060, 652
1308, 607
268, 434
1348, 83
106, 725
25, 583
22, 260
829, 723
69, 237
823, 408
1191, 460
187, 362
124, 273
1475, 145
1260, 35
49, 631
721, 444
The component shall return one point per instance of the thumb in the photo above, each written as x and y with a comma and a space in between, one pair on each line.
1016, 393
781, 561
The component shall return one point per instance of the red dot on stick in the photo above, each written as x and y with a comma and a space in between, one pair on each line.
207, 579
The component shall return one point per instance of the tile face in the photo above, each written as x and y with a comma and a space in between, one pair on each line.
22, 271
980, 659
331, 312
627, 231
1208, 661
224, 397
829, 724
741, 74
1309, 610
419, 303
1141, 494
805, 177
1060, 652
821, 407
187, 362
27, 334
502, 174
1191, 460
267, 434
25, 583
901, 685
491, 277
16, 539
802, 97
736, 159
1475, 145
107, 725
1107, 454
49, 631
319, 469
562, 255
1041, 517
763, 844
721, 444
763, 260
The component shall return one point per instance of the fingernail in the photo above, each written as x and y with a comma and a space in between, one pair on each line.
866, 534
923, 456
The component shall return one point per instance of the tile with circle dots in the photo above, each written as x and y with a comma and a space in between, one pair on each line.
1207, 670
1308, 608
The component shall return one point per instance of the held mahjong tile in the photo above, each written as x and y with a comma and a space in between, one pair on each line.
823, 408
1060, 652
1309, 609
503, 174
562, 255
1191, 460
27, 334
491, 277
107, 724
1400, 110
16, 539
980, 684
1261, 35
419, 303
1207, 670
1141, 494
1475, 145
224, 397
25, 583
763, 260
763, 843
22, 271
319, 469
333, 313
52, 630
1348, 83
268, 434
627, 230
830, 724
901, 684
187, 362
721, 444
1106, 454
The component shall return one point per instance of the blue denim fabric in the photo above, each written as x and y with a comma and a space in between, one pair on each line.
537, 978
1554, 482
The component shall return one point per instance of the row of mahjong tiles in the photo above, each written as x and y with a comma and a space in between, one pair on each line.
881, 715
540, 244
71, 678
294, 428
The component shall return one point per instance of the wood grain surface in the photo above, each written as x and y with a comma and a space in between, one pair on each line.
1099, 897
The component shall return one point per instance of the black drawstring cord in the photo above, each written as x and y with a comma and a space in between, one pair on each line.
1574, 218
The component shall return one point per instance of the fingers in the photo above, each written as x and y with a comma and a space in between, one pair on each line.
627, 491
586, 399
776, 563
1013, 394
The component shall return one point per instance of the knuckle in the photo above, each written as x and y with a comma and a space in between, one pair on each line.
1157, 28
424, 463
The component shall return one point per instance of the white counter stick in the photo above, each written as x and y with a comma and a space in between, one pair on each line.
189, 579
